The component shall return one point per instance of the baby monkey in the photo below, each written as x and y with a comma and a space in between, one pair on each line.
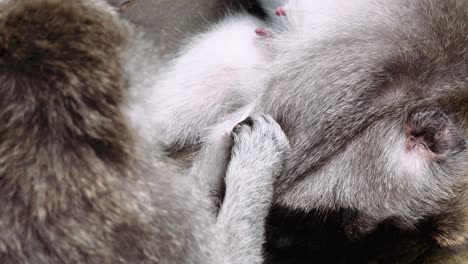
77, 185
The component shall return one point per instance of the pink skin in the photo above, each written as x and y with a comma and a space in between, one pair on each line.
415, 145
263, 32
280, 11
418, 145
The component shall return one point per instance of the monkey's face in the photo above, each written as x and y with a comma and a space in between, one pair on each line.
398, 166
404, 168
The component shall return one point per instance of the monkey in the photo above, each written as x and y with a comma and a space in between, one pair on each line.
422, 127
372, 96
79, 184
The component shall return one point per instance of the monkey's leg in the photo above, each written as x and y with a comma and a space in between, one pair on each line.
259, 153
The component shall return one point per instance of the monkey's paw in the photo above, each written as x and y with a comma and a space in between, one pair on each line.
260, 145
258, 156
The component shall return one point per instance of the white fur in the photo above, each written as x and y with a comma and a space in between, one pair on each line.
226, 68
249, 184
410, 163
209, 78
313, 16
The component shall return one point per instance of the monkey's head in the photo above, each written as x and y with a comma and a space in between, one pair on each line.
377, 118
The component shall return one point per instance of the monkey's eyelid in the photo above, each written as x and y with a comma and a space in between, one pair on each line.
425, 146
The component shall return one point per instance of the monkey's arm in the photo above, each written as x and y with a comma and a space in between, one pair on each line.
258, 156
248, 162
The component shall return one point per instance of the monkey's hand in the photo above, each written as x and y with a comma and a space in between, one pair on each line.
258, 156
259, 145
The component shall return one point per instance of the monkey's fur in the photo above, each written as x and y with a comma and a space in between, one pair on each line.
348, 137
76, 183
373, 97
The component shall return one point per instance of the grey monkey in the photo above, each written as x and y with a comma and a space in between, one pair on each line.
383, 127
77, 183
371, 94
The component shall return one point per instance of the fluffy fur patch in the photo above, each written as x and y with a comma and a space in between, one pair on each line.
63, 137
60, 79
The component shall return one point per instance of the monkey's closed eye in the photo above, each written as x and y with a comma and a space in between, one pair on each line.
433, 135
425, 139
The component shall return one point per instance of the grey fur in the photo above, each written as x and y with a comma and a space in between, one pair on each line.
78, 185
359, 89
346, 97
261, 137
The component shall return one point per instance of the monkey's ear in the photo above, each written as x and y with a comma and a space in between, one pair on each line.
432, 134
